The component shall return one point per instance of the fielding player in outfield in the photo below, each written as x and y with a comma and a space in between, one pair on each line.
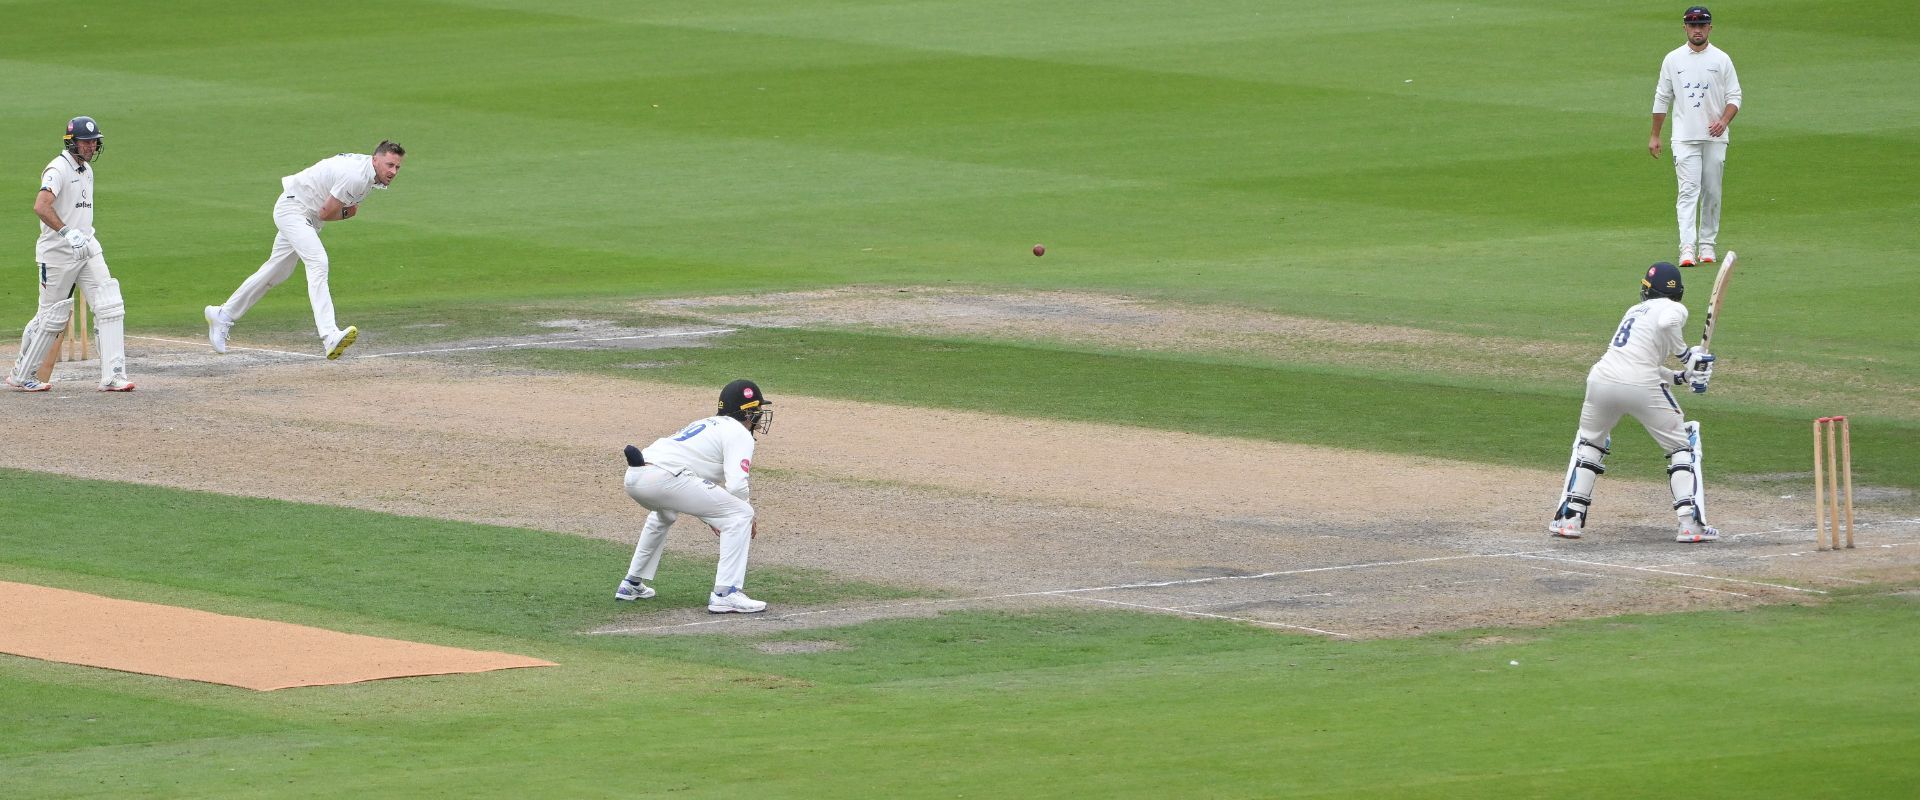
1698, 83
70, 256
685, 474
328, 191
1632, 378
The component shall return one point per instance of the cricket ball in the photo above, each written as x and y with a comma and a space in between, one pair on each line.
1039, 249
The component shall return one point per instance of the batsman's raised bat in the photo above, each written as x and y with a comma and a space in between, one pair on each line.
1714, 300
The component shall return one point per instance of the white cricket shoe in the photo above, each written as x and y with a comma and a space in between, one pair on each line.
1686, 256
1693, 532
26, 384
630, 590
734, 602
116, 385
217, 327
1706, 254
339, 342
1566, 528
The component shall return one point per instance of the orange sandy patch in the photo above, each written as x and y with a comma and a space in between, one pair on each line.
80, 628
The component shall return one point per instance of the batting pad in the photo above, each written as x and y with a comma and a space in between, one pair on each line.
90, 630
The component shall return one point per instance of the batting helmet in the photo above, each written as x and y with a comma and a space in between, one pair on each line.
1662, 280
743, 401
84, 129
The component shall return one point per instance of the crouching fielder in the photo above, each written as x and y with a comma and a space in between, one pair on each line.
70, 256
684, 474
1632, 378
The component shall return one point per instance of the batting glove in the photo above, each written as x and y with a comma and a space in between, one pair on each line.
1700, 372
76, 238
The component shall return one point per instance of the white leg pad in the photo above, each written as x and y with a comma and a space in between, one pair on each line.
1583, 470
36, 342
110, 318
1685, 477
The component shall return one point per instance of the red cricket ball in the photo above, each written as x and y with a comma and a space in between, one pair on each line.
1039, 249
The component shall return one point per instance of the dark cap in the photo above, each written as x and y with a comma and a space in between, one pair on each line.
1697, 15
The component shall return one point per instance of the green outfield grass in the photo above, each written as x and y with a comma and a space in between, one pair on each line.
1779, 701
1386, 161
1475, 169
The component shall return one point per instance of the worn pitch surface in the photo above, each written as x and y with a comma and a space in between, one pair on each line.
991, 510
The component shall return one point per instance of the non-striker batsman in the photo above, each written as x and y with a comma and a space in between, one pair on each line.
70, 256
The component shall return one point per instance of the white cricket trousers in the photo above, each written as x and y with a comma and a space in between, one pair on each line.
669, 492
1699, 167
1654, 406
297, 242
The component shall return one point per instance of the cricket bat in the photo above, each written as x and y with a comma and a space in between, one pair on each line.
1714, 300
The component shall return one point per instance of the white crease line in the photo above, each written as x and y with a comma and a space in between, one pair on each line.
1797, 553
1913, 521
1676, 572
549, 343
1058, 592
1558, 571
1244, 602
1191, 581
1214, 616
229, 347
1888, 546
1380, 590
798, 614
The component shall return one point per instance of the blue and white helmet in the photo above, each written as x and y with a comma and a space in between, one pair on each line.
84, 129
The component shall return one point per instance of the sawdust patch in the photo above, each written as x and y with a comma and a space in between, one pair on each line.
173, 642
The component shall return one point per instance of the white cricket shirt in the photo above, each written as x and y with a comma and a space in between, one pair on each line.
348, 176
71, 183
719, 449
1648, 335
1693, 89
